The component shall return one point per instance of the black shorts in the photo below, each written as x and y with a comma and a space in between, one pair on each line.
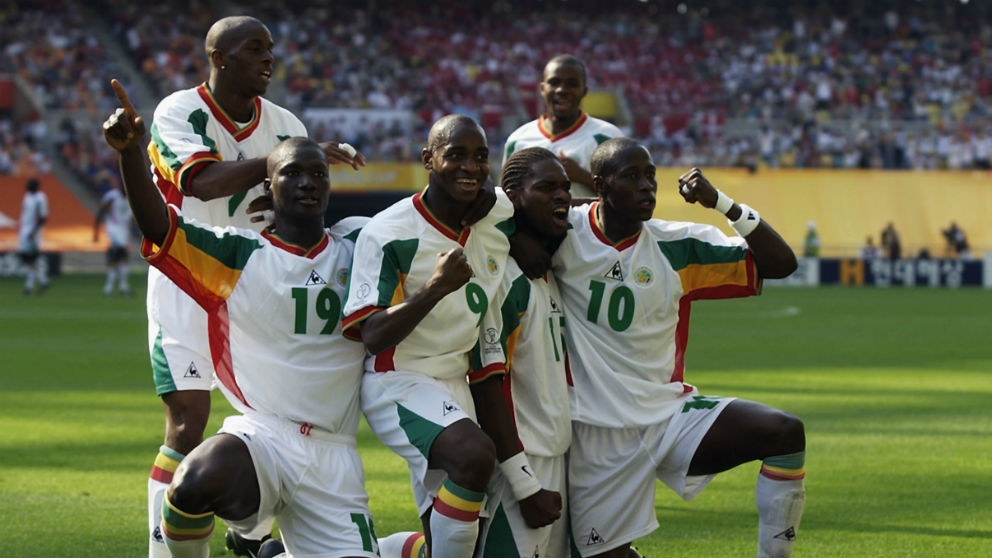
116, 254
28, 258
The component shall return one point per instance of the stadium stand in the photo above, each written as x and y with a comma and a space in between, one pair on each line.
808, 84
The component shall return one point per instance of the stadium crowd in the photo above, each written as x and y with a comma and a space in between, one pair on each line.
810, 84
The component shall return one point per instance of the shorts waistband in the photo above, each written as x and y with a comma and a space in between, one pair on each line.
305, 429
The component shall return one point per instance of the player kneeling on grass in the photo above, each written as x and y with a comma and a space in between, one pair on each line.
273, 301
628, 281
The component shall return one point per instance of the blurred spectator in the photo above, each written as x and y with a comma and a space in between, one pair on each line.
957, 241
808, 84
869, 251
891, 244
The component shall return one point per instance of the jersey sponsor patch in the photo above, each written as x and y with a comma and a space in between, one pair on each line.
615, 272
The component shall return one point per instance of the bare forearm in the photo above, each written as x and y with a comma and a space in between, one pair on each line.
391, 326
146, 203
772, 255
226, 178
494, 417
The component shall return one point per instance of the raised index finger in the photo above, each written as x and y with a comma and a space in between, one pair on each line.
122, 97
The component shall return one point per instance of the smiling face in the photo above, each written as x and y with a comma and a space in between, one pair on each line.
300, 184
541, 202
563, 86
629, 192
246, 57
459, 164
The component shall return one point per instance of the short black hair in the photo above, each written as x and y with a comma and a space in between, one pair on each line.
567, 60
441, 130
518, 166
601, 162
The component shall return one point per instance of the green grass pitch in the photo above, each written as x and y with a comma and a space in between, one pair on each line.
894, 385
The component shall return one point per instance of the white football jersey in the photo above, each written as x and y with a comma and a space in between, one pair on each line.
274, 315
525, 337
628, 305
578, 142
397, 253
117, 220
34, 207
190, 129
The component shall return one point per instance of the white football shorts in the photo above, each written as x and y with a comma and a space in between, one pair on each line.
407, 411
612, 472
507, 534
312, 481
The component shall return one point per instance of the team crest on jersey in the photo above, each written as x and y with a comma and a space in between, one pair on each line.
492, 265
315, 279
615, 272
341, 276
643, 276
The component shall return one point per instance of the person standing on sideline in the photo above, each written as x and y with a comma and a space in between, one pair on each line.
628, 281
418, 293
891, 244
34, 215
811, 244
291, 453
115, 214
564, 128
208, 154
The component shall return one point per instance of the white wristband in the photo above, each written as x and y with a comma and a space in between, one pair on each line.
723, 202
747, 222
521, 477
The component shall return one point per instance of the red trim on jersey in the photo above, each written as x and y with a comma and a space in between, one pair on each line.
425, 212
597, 229
568, 371
192, 167
545, 129
219, 334
486, 372
308, 253
226, 121
175, 270
685, 308
384, 360
172, 194
507, 388
349, 325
